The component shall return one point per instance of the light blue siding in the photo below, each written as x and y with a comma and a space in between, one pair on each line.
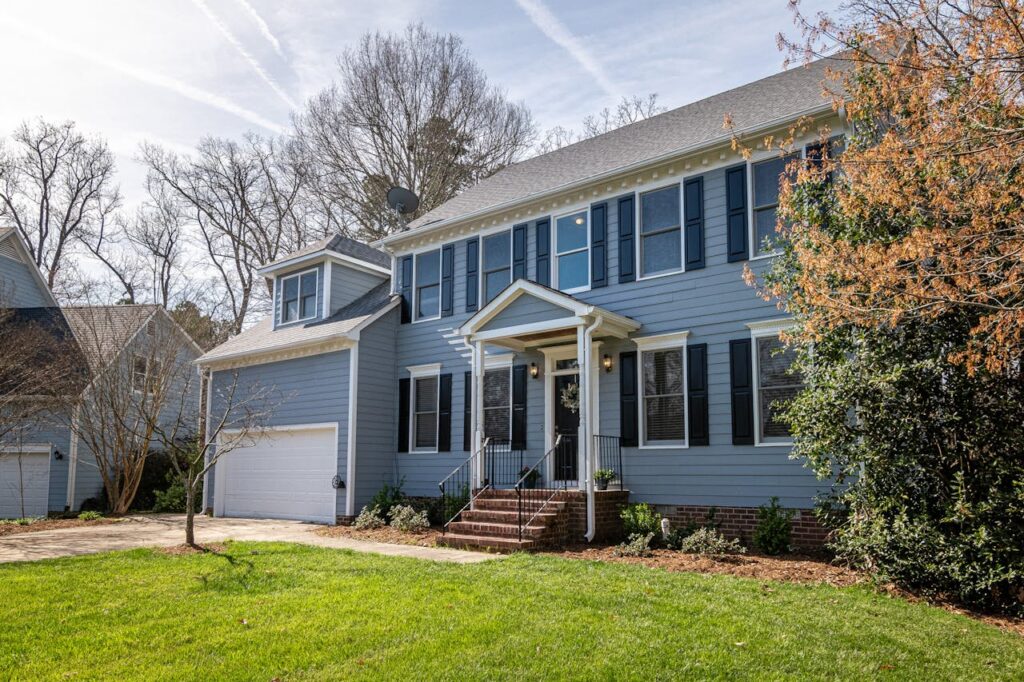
525, 310
348, 284
376, 409
18, 286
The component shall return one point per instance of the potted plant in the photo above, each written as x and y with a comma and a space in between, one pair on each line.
529, 477
602, 477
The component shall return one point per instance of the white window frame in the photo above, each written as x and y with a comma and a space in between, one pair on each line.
586, 210
416, 288
316, 293
756, 158
482, 284
761, 330
147, 387
497, 363
638, 234
424, 372
669, 341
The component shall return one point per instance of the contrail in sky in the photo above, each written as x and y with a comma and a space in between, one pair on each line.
262, 26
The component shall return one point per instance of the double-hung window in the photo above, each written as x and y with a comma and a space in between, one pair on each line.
498, 403
425, 413
428, 285
777, 384
572, 250
497, 264
663, 389
661, 241
767, 177
298, 297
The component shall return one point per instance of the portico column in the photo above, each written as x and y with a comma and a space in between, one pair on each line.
477, 409
582, 353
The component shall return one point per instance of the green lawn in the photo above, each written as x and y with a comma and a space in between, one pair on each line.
262, 611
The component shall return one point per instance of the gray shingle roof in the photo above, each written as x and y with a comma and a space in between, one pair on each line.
344, 245
103, 330
786, 95
263, 338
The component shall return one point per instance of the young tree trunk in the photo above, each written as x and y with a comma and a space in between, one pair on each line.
190, 512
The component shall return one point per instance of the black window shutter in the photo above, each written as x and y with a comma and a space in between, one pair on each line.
736, 212
543, 231
693, 198
697, 392
406, 289
519, 252
630, 431
598, 245
627, 240
403, 416
472, 273
741, 377
447, 280
519, 407
444, 414
467, 414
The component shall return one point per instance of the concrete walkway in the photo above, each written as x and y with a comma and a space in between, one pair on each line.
166, 530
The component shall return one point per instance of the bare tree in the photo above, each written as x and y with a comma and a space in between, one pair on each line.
412, 110
628, 110
55, 184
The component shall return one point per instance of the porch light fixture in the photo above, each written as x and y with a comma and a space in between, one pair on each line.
607, 362
534, 370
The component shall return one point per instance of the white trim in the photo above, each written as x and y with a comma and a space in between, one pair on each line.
638, 236
498, 367
325, 305
341, 258
73, 459
555, 255
279, 306
431, 369
416, 289
530, 328
661, 341
650, 344
769, 327
760, 330
498, 361
33, 449
207, 503
350, 445
417, 372
566, 352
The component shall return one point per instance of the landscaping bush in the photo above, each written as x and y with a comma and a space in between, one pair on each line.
90, 516
711, 542
407, 519
387, 497
172, 498
369, 518
637, 545
640, 519
433, 507
774, 526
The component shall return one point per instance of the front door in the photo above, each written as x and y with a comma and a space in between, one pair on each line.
567, 424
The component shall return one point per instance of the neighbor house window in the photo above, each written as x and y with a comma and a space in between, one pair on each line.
428, 285
777, 385
661, 244
497, 264
767, 177
664, 403
498, 403
424, 417
139, 373
572, 249
298, 296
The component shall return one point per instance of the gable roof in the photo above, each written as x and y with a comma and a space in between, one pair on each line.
779, 98
262, 338
337, 244
10, 237
103, 330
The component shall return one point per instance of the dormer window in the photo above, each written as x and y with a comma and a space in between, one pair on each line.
298, 297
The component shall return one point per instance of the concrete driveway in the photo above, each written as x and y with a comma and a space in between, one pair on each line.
166, 530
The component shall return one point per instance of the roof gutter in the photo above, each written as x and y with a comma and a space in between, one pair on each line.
387, 242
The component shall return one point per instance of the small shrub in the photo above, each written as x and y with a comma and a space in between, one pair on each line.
641, 519
637, 545
433, 507
710, 541
388, 497
90, 516
408, 520
369, 518
774, 525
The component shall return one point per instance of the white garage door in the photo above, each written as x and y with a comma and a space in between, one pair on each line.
24, 483
287, 474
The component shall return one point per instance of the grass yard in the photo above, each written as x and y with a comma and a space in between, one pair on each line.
265, 611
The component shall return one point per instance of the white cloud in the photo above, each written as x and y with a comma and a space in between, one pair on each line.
244, 53
263, 27
554, 29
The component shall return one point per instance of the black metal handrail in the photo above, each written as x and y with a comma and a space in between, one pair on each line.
528, 493
503, 464
609, 456
457, 492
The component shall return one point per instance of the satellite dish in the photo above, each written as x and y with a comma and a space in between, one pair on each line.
402, 200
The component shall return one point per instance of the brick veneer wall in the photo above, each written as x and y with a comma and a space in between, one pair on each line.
739, 522
607, 522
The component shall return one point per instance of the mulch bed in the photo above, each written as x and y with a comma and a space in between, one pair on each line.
427, 538
50, 524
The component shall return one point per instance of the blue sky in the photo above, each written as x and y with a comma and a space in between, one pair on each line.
175, 70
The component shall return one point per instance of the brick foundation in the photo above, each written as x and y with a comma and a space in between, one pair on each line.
739, 522
607, 522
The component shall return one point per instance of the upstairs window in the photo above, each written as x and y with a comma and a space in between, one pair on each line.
139, 373
498, 403
777, 385
664, 402
661, 242
572, 250
298, 297
428, 285
497, 264
425, 413
767, 176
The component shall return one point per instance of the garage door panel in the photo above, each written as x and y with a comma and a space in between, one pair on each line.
286, 475
24, 484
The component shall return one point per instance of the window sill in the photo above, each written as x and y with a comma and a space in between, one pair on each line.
787, 444
423, 452
577, 290
659, 275
676, 446
292, 323
765, 256
435, 318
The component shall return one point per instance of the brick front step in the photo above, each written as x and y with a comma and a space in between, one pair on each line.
504, 516
496, 529
501, 544
502, 504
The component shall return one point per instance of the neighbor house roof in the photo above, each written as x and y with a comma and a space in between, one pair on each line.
103, 330
784, 96
263, 338
338, 244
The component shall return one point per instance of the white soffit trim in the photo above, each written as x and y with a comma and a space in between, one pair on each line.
324, 254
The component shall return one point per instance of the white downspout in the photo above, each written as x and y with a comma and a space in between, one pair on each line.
588, 427
353, 401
